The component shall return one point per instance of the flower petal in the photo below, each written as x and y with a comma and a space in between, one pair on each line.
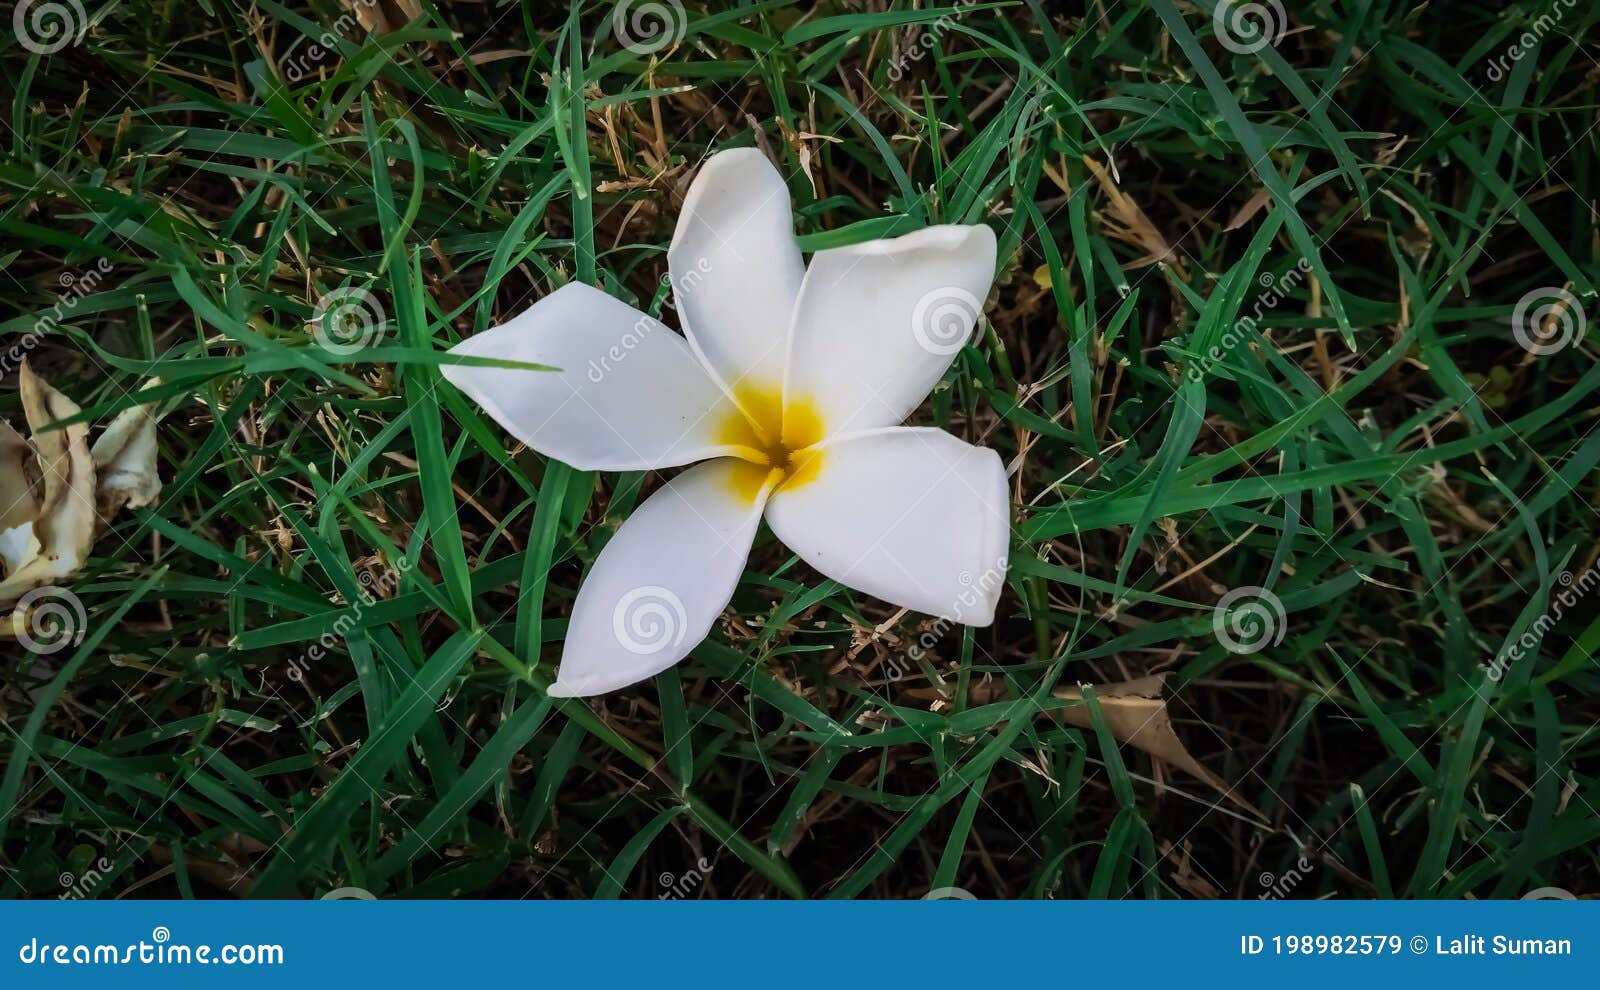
659, 585
915, 517
736, 269
878, 323
629, 396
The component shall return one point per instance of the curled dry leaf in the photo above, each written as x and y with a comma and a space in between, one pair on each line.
1136, 713
125, 457
63, 528
19, 489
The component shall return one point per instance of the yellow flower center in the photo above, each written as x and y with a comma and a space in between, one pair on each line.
773, 440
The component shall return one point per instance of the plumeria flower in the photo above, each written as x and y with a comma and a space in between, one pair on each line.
790, 383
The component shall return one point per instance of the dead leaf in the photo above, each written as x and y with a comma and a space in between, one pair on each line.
64, 528
125, 458
19, 492
383, 16
1136, 714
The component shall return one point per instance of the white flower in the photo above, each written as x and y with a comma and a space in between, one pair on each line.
791, 383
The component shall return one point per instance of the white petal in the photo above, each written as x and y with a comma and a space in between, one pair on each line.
630, 395
878, 323
659, 585
736, 269
915, 517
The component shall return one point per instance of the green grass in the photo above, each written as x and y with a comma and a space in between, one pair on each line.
319, 662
